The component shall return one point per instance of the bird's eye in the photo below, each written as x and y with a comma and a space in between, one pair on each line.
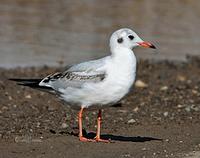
131, 37
120, 40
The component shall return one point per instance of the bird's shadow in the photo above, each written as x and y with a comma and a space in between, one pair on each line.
111, 137
91, 135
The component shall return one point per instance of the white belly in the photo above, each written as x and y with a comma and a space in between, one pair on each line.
99, 94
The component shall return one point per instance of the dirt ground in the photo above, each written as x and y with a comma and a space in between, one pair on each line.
158, 119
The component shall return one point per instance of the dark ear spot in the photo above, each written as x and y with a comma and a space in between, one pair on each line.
131, 37
120, 40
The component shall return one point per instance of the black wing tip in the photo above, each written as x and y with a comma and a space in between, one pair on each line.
26, 82
32, 83
15, 79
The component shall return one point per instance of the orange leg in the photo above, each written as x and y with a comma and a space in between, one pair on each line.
97, 138
81, 138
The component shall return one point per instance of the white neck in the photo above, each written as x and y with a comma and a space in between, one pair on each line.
123, 63
121, 72
124, 56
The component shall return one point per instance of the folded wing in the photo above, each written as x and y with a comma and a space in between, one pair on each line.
77, 75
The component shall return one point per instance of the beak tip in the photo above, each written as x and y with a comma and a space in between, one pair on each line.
153, 47
147, 45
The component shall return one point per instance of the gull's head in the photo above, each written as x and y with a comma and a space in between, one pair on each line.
127, 38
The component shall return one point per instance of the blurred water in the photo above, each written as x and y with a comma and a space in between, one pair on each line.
38, 32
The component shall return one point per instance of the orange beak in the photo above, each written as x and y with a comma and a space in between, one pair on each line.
146, 45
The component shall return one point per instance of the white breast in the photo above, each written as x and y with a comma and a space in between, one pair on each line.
121, 72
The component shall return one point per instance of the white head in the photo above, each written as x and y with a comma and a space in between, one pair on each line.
127, 38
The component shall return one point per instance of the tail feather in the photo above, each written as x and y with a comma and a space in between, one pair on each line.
33, 83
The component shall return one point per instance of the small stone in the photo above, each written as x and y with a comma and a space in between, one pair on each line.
142, 104
131, 121
122, 111
28, 96
166, 114
180, 106
38, 124
51, 107
144, 149
9, 97
64, 125
126, 155
189, 81
136, 109
194, 91
164, 88
140, 84
4, 108
20, 139
181, 78
158, 118
188, 108
94, 113
167, 140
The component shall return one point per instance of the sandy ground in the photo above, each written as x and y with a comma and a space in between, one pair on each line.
160, 119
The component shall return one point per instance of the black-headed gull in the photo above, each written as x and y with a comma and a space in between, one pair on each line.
96, 83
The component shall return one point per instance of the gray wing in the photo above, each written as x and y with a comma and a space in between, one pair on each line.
77, 75
89, 66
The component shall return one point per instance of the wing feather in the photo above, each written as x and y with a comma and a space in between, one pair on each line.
77, 75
